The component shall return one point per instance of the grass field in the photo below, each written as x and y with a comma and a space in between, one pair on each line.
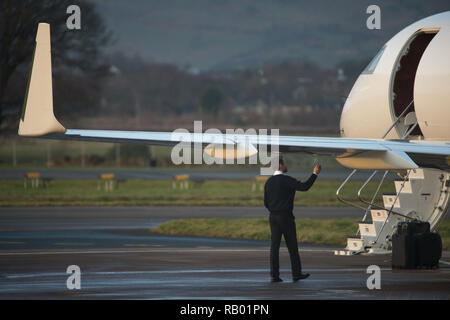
329, 232
160, 193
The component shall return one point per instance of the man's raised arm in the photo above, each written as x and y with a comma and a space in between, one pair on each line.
304, 186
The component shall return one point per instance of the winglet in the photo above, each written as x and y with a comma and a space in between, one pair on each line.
37, 115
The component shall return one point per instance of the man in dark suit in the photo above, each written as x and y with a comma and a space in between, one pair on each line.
279, 193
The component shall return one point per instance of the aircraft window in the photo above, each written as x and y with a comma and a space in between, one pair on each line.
373, 64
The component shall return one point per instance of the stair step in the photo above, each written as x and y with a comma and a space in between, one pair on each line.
378, 215
420, 196
367, 230
407, 188
355, 243
416, 174
388, 200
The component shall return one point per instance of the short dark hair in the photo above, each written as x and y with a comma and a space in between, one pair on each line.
280, 160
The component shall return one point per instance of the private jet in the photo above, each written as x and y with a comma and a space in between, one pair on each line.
396, 118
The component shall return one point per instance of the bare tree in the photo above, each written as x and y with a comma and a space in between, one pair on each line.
75, 48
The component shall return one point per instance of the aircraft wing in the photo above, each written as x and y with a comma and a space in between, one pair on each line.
38, 120
357, 153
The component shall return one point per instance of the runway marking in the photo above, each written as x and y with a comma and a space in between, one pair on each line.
135, 245
11, 242
150, 251
74, 243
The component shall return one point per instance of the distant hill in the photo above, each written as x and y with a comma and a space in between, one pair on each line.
208, 34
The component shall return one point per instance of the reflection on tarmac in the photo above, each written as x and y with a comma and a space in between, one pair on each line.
118, 258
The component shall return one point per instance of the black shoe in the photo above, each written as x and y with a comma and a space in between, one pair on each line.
300, 277
276, 280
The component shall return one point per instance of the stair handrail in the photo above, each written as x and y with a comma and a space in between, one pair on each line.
374, 195
341, 186
371, 203
390, 210
386, 172
410, 129
398, 119
392, 206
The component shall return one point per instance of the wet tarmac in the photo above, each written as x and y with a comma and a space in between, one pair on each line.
120, 259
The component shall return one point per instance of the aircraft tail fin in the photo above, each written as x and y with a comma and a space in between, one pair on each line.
37, 115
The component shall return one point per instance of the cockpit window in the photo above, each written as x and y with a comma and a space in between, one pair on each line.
373, 64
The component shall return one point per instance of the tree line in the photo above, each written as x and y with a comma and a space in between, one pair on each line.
89, 83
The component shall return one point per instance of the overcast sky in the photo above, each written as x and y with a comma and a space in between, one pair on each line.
234, 33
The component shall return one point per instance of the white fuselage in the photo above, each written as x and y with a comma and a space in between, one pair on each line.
413, 66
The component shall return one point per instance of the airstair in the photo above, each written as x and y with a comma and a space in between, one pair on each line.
423, 195
420, 194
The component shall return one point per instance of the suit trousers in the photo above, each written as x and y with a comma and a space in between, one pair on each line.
283, 224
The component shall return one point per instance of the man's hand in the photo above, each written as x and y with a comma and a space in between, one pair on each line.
317, 169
